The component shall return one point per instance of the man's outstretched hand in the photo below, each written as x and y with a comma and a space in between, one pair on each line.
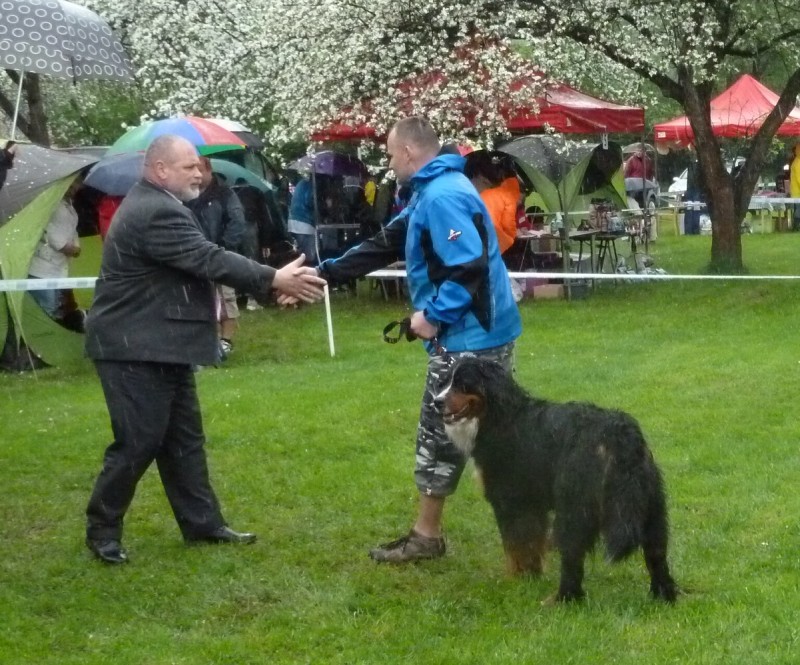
296, 282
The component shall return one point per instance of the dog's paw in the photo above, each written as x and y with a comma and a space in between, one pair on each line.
667, 591
560, 598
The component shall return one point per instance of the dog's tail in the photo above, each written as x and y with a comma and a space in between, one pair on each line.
633, 498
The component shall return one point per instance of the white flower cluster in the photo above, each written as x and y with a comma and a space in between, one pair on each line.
289, 68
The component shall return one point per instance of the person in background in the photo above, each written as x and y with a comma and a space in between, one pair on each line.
694, 196
461, 300
794, 186
302, 220
222, 221
106, 208
384, 202
7, 155
370, 189
59, 243
639, 165
498, 185
151, 320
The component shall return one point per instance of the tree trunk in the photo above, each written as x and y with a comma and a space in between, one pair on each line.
34, 124
726, 222
717, 183
37, 117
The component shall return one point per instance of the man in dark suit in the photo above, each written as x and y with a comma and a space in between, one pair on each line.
152, 319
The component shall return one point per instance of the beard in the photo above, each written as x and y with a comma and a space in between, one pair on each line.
188, 193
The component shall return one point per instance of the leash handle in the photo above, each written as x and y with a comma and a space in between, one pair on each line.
403, 330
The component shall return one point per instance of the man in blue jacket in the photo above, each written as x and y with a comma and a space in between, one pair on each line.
462, 303
302, 224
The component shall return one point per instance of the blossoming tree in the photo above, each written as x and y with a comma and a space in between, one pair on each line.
294, 65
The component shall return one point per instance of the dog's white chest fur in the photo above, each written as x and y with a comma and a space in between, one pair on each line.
463, 433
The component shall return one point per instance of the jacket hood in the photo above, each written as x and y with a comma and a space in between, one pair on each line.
437, 166
510, 187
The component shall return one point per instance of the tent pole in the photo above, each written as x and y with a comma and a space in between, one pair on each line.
16, 107
315, 202
646, 212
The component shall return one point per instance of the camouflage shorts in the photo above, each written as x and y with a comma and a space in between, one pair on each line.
439, 464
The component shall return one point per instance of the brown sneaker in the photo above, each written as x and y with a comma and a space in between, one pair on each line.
412, 547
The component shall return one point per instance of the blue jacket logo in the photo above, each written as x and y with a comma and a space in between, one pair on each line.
453, 235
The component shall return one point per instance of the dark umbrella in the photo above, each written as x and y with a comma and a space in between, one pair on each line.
116, 174
555, 158
330, 163
60, 39
552, 156
36, 168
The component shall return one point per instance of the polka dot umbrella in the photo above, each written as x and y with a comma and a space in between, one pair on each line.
60, 39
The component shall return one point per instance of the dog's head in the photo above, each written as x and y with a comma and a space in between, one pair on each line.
464, 398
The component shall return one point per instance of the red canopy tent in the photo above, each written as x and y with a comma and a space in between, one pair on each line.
569, 111
736, 113
562, 108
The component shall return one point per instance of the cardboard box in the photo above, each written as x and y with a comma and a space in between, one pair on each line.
527, 284
548, 291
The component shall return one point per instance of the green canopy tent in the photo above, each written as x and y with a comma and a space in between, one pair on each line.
567, 175
35, 185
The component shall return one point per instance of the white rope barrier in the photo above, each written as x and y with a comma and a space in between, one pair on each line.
9, 285
582, 276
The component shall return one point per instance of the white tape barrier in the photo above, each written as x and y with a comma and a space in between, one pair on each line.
582, 276
89, 282
47, 284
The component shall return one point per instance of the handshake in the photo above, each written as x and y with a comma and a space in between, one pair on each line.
295, 282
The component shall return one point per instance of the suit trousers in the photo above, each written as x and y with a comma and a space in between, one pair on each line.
155, 416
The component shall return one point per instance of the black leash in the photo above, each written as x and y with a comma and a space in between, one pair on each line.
404, 329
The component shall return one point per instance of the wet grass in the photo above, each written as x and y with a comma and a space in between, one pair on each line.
315, 453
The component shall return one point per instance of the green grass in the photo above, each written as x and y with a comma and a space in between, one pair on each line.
315, 455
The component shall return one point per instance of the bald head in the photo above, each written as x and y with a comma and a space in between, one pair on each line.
417, 131
411, 144
171, 162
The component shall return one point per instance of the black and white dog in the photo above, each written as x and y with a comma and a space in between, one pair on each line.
590, 466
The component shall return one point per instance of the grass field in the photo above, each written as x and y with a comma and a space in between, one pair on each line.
315, 455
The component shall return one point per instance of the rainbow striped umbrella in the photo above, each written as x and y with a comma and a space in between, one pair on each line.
207, 136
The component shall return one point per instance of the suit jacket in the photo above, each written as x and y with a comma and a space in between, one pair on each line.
154, 298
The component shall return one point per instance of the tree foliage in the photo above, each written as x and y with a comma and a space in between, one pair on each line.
287, 67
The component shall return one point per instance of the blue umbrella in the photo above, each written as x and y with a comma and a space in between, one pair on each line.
116, 174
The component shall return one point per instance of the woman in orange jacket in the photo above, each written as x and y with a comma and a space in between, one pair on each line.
497, 183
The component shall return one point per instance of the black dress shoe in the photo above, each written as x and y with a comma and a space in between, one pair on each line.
108, 551
224, 534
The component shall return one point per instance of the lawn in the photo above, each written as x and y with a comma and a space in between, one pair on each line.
315, 454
